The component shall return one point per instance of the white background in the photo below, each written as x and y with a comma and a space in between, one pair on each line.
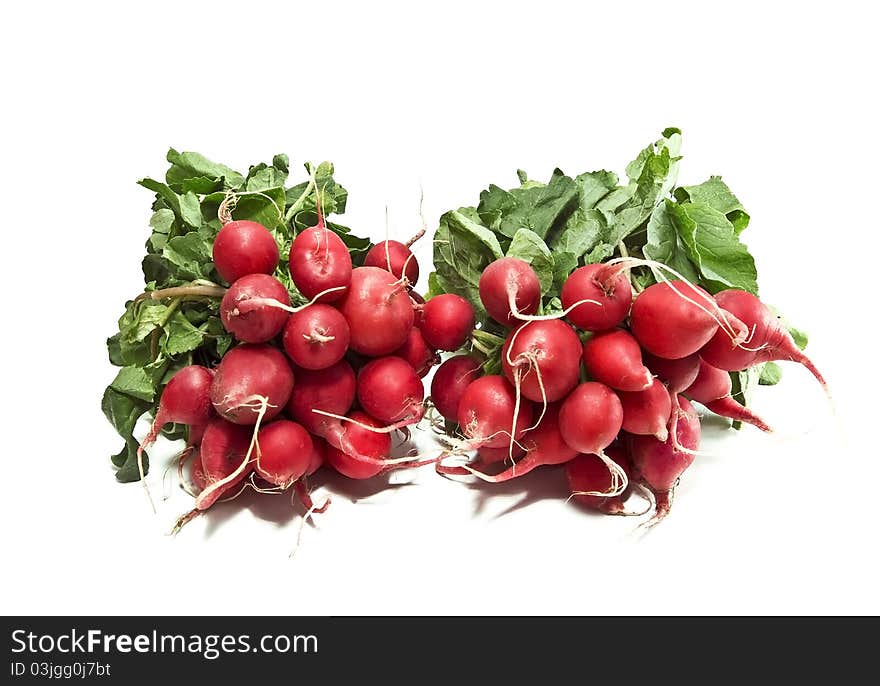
778, 98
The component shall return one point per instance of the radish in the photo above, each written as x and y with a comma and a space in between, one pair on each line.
320, 261
331, 390
395, 257
418, 303
615, 358
242, 248
767, 340
252, 380
365, 443
489, 416
543, 359
223, 449
509, 288
389, 389
589, 474
598, 283
252, 309
673, 319
318, 456
420, 356
659, 464
676, 374
284, 452
448, 320
647, 412
197, 473
316, 337
712, 388
449, 383
378, 310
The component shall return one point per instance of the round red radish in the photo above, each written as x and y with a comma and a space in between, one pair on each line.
242, 248
615, 358
588, 473
509, 278
186, 399
316, 337
486, 410
389, 389
448, 321
367, 443
252, 309
393, 256
378, 310
285, 452
712, 388
318, 456
449, 383
667, 324
590, 418
248, 377
547, 356
486, 455
223, 450
676, 374
603, 284
319, 260
647, 412
197, 473
420, 356
330, 390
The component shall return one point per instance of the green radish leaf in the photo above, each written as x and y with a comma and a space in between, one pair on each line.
186, 166
134, 381
771, 374
717, 195
185, 206
666, 246
537, 207
528, 246
800, 337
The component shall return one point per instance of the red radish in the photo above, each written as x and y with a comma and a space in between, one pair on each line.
223, 450
252, 309
590, 418
603, 284
393, 256
449, 383
659, 464
242, 248
284, 452
667, 322
196, 431
615, 358
546, 357
448, 321
676, 374
251, 380
486, 455
186, 399
712, 388
486, 413
378, 310
543, 446
365, 443
647, 412
331, 390
418, 303
318, 456
316, 337
420, 356
389, 389
197, 473
319, 261
508, 287
589, 474
767, 340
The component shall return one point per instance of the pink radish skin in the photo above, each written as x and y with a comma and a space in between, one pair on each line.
247, 315
449, 384
549, 347
647, 412
197, 473
667, 325
418, 354
587, 473
245, 375
331, 390
485, 413
318, 456
418, 303
316, 337
393, 260
448, 320
506, 278
712, 388
186, 399
285, 452
389, 390
378, 310
615, 359
768, 339
659, 464
676, 374
590, 418
223, 449
606, 285
319, 260
242, 248
365, 443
